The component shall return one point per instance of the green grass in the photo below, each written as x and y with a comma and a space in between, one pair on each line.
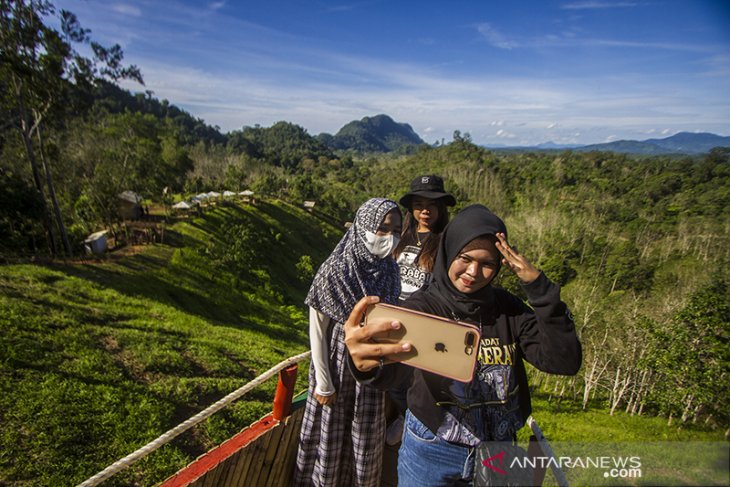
566, 421
98, 359
669, 455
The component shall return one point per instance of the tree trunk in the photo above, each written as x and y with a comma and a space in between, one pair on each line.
574, 388
619, 388
26, 129
696, 413
589, 383
52, 194
640, 393
687, 408
47, 220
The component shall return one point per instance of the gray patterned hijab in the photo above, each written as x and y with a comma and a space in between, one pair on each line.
351, 271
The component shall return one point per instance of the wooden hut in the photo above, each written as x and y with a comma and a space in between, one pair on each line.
129, 204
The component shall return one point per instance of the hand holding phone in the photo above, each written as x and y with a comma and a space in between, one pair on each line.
361, 341
438, 345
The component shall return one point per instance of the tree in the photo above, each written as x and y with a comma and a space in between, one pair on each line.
692, 356
40, 72
19, 209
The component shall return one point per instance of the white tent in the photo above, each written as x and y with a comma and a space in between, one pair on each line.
202, 196
228, 193
183, 205
213, 194
247, 192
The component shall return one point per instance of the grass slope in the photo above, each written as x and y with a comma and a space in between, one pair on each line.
662, 450
98, 359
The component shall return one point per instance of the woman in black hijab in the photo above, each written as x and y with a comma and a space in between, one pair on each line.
446, 419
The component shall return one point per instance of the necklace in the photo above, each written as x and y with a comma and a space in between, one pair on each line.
418, 237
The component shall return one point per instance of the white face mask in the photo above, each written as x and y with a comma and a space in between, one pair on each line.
380, 246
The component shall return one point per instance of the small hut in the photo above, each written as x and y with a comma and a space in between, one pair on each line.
129, 205
247, 196
183, 205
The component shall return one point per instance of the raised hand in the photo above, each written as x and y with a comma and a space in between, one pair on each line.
515, 261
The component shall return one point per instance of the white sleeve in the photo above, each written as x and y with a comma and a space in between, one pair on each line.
318, 325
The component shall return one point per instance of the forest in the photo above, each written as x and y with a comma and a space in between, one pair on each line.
639, 244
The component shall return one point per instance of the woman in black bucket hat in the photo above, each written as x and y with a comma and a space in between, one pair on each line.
427, 215
425, 219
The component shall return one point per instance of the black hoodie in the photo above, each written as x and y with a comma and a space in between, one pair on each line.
496, 403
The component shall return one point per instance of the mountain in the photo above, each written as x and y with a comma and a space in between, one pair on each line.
681, 143
374, 134
545, 146
553, 145
692, 142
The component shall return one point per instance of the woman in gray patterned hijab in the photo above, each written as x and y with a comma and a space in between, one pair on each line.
352, 271
341, 440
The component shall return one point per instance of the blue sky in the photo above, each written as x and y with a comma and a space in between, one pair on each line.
506, 72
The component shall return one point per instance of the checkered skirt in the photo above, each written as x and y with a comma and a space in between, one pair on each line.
342, 444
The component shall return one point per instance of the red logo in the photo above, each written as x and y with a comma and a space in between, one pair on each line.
488, 463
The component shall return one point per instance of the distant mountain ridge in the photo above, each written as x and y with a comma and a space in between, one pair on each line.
373, 134
680, 143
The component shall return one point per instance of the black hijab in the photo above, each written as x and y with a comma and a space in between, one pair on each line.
470, 223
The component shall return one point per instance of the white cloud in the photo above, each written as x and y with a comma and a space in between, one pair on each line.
126, 9
717, 66
503, 134
263, 75
591, 5
494, 37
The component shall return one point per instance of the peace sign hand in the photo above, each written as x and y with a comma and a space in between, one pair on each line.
516, 262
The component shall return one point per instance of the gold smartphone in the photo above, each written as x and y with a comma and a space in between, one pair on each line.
439, 345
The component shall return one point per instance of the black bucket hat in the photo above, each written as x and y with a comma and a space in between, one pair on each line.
431, 187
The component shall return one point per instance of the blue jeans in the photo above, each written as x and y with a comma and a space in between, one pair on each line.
425, 460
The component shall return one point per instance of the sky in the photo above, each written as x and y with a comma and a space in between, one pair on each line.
507, 72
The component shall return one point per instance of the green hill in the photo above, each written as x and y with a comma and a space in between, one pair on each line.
681, 143
374, 134
98, 358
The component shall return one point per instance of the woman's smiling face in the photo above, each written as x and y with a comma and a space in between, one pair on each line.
473, 270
